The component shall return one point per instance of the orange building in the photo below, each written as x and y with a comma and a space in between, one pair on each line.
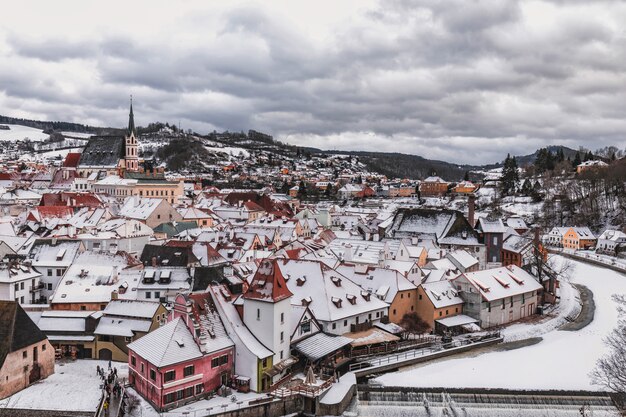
434, 187
437, 300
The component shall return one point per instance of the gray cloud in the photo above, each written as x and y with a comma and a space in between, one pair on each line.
461, 81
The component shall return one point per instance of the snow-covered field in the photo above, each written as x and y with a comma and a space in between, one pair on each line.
18, 132
74, 386
562, 360
230, 151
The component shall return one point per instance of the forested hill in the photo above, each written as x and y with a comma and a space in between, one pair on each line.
408, 166
44, 125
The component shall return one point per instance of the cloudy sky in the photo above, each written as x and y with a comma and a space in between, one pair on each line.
459, 80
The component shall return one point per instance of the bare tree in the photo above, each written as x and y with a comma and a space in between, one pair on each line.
610, 370
413, 324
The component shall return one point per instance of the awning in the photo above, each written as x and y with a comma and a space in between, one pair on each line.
320, 345
458, 320
281, 366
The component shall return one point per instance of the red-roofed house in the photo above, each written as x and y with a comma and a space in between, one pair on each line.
71, 160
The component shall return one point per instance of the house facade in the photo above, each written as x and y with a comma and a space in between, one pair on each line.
26, 356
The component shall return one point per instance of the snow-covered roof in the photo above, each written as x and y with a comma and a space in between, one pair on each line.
498, 283
491, 226
372, 279
167, 345
132, 308
117, 326
139, 208
320, 345
613, 235
462, 258
442, 294
458, 320
332, 296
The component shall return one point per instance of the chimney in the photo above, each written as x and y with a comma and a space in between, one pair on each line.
470, 210
381, 258
347, 255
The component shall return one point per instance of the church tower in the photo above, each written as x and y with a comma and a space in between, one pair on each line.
131, 157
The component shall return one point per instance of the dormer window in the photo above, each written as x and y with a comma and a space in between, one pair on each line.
300, 281
365, 295
351, 298
336, 301
306, 301
336, 281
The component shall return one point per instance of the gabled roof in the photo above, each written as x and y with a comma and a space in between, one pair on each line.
498, 283
167, 345
103, 151
491, 226
268, 284
17, 330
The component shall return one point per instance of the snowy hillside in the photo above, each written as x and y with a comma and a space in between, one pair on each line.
18, 132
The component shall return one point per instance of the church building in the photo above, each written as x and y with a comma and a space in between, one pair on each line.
111, 155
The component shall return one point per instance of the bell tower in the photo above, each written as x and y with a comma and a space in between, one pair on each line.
131, 157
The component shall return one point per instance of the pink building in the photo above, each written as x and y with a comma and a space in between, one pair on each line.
184, 360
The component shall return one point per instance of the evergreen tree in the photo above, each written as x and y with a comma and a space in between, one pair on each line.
577, 160
510, 176
466, 176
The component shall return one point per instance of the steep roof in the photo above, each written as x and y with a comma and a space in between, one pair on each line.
17, 330
167, 345
104, 151
268, 284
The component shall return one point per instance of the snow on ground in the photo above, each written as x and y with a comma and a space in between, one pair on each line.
19, 132
230, 151
76, 383
214, 405
562, 360
569, 306
78, 134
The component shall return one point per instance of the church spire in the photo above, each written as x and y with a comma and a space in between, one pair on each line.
131, 119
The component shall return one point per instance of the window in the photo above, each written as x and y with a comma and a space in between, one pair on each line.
447, 312
22, 285
169, 398
17, 287
345, 323
305, 326
281, 354
170, 376
188, 392
189, 370
264, 363
282, 317
488, 307
133, 361
456, 310
180, 394
148, 294
49, 272
24, 354
142, 368
223, 360
199, 388
43, 348
495, 240
282, 336
83, 308
334, 326
419, 297
411, 310
157, 294
258, 314
401, 295
503, 304
394, 311
153, 374
59, 272
49, 287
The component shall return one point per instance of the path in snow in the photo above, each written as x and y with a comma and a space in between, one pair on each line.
562, 360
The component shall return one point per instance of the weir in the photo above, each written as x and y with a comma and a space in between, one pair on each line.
434, 402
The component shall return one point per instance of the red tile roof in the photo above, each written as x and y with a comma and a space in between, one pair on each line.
268, 283
71, 160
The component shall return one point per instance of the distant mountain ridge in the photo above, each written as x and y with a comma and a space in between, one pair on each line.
391, 164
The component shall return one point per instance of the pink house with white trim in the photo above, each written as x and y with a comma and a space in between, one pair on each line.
184, 360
